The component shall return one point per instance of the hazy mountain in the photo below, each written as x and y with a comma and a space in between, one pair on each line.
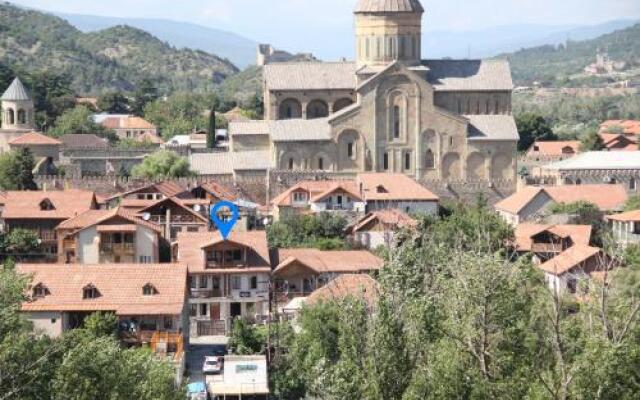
239, 50
114, 58
506, 39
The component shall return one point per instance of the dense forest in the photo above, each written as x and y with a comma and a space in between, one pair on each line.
112, 59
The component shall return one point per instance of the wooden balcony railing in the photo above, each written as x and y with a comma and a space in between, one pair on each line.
118, 248
205, 293
48, 236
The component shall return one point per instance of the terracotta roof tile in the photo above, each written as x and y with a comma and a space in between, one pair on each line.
392, 219
629, 126
119, 285
393, 187
149, 137
219, 191
579, 234
336, 261
191, 246
127, 122
97, 217
573, 257
178, 203
347, 285
629, 216
554, 148
66, 204
34, 138
312, 188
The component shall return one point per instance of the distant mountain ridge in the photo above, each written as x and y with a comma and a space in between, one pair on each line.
239, 50
557, 62
111, 59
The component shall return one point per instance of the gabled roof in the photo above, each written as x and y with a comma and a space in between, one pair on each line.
226, 163
149, 137
629, 126
16, 92
469, 75
219, 191
605, 197
191, 246
336, 261
598, 160
97, 217
34, 138
310, 76
388, 6
120, 287
313, 189
394, 219
492, 127
66, 204
338, 187
84, 140
524, 233
126, 122
629, 216
357, 286
392, 187
554, 148
166, 188
176, 202
571, 258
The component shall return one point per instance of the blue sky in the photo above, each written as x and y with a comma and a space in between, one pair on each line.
300, 24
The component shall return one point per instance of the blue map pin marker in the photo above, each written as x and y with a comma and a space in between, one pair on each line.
225, 226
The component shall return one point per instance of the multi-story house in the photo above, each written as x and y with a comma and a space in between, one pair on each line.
149, 300
547, 241
299, 272
379, 228
114, 236
228, 279
145, 196
173, 216
42, 212
626, 227
127, 126
318, 196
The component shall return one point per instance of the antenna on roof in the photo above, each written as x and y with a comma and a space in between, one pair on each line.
146, 216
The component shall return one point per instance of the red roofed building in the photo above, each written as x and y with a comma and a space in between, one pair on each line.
378, 228
629, 127
147, 299
626, 227
127, 126
531, 202
569, 271
553, 150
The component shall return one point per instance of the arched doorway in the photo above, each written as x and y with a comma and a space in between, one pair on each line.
290, 109
451, 167
349, 150
317, 109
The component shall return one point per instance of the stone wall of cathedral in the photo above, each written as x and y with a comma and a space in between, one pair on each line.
306, 104
473, 103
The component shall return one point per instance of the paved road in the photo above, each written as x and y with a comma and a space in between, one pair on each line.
195, 358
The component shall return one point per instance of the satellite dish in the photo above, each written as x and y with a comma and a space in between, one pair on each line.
146, 216
266, 221
197, 208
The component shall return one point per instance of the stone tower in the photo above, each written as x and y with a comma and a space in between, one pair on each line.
388, 30
18, 114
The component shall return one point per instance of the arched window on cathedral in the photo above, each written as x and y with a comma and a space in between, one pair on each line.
401, 49
22, 117
429, 160
291, 163
488, 107
367, 46
396, 122
459, 106
11, 117
385, 161
320, 163
497, 109
379, 48
407, 161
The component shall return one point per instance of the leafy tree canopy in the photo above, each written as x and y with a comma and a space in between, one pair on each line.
16, 170
79, 120
533, 127
162, 164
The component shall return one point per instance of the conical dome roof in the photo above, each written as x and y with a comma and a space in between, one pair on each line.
389, 6
16, 92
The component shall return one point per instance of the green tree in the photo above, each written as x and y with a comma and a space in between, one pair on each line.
145, 93
533, 127
162, 164
246, 339
324, 231
632, 203
21, 241
591, 142
16, 170
211, 130
101, 324
113, 103
79, 120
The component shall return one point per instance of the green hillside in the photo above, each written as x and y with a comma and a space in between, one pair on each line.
111, 59
555, 64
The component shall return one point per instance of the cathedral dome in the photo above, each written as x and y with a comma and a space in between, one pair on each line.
389, 6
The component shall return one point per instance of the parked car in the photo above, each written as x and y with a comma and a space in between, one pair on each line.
197, 391
212, 365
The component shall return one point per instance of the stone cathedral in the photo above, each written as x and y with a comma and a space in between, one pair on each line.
390, 110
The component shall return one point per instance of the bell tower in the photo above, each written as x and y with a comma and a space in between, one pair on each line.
388, 30
17, 108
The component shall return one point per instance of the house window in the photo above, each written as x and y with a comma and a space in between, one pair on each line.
572, 285
236, 283
46, 205
396, 122
237, 255
216, 282
193, 282
90, 292
385, 162
192, 229
214, 257
168, 323
40, 291
407, 161
193, 310
632, 184
299, 197
254, 282
149, 290
146, 259
204, 310
203, 282
429, 160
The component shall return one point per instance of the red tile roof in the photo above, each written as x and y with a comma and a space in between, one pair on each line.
579, 234
393, 187
555, 148
34, 139
606, 197
629, 126
66, 204
219, 191
177, 203
97, 217
129, 122
119, 285
350, 261
629, 216
313, 190
571, 258
391, 219
191, 245
347, 285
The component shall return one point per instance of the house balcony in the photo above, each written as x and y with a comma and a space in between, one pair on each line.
124, 248
206, 293
69, 244
216, 265
547, 247
48, 236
